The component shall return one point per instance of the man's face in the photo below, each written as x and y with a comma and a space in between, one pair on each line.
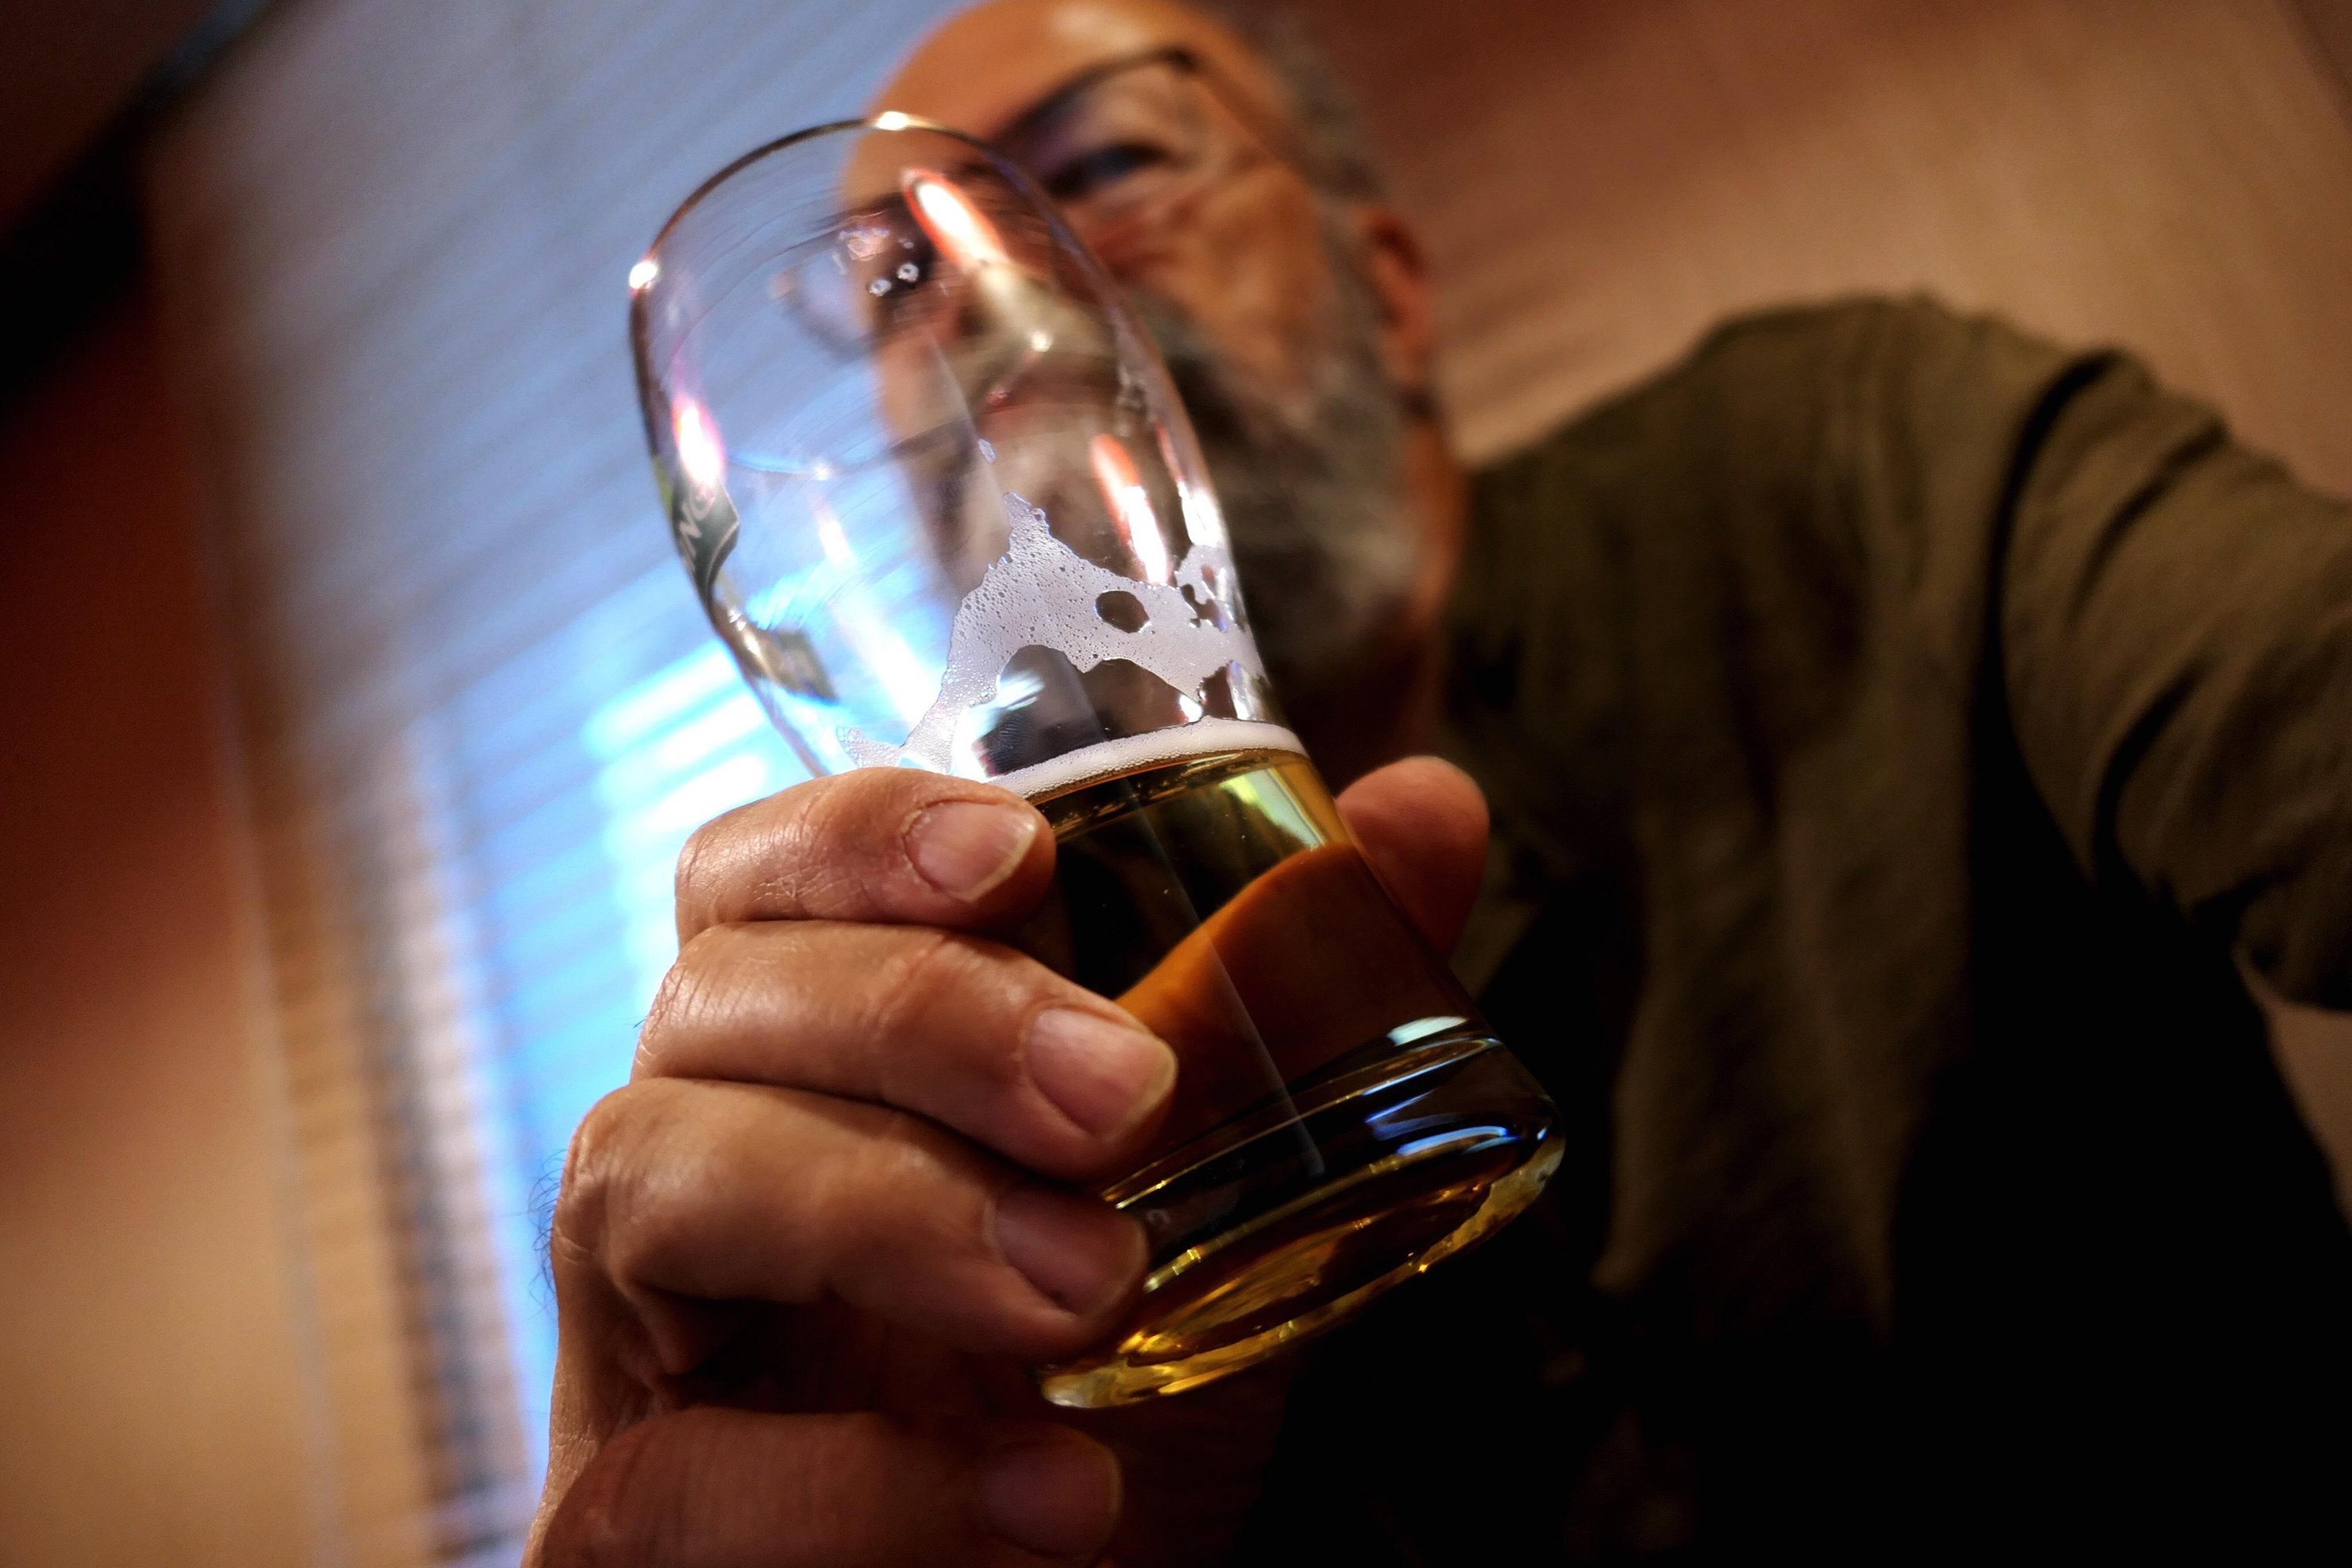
1165, 143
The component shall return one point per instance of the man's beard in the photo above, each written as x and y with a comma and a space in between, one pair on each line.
1313, 494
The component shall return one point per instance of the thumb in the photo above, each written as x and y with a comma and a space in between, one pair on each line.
1421, 824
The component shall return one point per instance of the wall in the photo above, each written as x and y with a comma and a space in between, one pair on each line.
1602, 179
155, 1407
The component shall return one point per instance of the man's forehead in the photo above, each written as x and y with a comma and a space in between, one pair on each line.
987, 67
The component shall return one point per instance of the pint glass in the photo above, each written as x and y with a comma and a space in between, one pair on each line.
938, 496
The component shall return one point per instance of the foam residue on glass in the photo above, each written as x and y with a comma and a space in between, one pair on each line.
1042, 593
932, 486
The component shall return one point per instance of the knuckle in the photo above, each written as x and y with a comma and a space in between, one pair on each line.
946, 986
612, 1514
911, 1185
844, 840
817, 848
593, 1165
933, 970
730, 861
700, 859
686, 996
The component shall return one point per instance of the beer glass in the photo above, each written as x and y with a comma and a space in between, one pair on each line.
936, 494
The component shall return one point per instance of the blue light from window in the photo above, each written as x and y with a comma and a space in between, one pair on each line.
668, 753
679, 748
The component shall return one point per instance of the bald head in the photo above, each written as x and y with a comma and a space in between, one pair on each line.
986, 67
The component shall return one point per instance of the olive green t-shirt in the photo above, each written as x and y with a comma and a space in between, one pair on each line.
1897, 728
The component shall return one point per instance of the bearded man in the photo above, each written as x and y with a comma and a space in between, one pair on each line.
1896, 729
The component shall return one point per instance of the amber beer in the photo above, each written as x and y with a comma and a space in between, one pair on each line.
1342, 1117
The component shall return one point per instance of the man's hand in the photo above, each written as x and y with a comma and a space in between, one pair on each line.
801, 1259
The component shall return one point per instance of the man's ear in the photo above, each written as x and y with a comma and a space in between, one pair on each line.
1397, 270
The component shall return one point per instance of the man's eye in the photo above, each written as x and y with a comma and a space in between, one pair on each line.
1097, 170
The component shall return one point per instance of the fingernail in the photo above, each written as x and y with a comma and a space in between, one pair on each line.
1103, 1075
1057, 1498
1078, 1253
964, 847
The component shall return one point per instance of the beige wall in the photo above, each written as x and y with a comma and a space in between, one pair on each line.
1600, 179
153, 1409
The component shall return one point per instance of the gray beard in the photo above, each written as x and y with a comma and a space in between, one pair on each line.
1313, 497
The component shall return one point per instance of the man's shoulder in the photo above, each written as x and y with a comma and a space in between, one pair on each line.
1782, 364
1856, 331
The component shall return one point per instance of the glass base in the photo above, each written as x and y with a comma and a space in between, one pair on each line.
1291, 1219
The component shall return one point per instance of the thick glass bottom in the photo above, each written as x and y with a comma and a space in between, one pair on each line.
1292, 1218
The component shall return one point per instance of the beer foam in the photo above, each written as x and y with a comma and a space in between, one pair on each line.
1201, 738
1042, 593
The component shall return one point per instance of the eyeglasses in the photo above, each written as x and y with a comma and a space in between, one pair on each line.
1127, 140
1118, 149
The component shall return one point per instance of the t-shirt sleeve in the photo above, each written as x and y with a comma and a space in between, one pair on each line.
2166, 615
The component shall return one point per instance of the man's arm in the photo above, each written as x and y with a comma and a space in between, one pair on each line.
2170, 623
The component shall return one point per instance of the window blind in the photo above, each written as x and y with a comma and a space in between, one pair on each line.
479, 708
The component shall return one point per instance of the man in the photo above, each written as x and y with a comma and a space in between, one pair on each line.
1893, 728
